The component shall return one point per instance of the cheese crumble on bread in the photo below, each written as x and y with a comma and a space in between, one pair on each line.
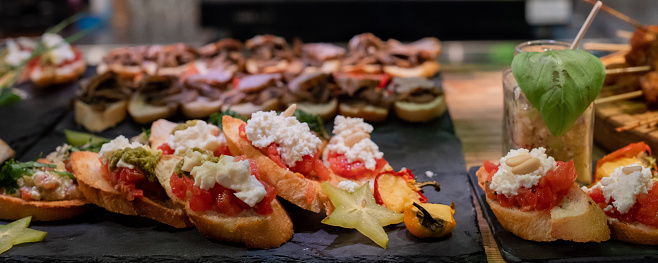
198, 136
295, 139
365, 150
623, 188
507, 183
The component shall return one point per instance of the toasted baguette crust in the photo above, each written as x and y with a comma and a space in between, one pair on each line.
201, 108
576, 218
246, 109
368, 113
637, 233
427, 69
326, 111
254, 230
87, 169
421, 112
143, 112
96, 121
49, 75
289, 185
13, 208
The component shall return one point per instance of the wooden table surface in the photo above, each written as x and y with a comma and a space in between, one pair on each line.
475, 101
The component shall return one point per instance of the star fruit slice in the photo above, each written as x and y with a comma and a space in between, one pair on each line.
17, 232
358, 210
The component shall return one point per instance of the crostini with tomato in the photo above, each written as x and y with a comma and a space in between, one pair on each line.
535, 198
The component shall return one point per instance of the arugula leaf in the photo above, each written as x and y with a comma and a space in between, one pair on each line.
315, 122
7, 96
12, 170
216, 118
561, 84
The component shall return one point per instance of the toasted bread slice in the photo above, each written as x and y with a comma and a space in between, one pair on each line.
326, 111
14, 208
246, 109
143, 112
50, 75
201, 108
427, 69
294, 187
87, 169
257, 231
421, 112
576, 218
369, 113
637, 233
97, 121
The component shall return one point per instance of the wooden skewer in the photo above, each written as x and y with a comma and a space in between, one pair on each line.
620, 16
627, 70
606, 46
620, 97
588, 22
624, 34
638, 124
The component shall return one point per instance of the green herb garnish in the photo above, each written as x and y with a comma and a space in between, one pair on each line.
315, 122
12, 170
216, 118
561, 84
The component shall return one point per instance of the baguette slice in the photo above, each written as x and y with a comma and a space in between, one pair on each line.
50, 75
427, 69
369, 113
87, 169
421, 112
326, 111
14, 208
577, 218
292, 186
97, 121
256, 231
637, 233
248, 108
143, 112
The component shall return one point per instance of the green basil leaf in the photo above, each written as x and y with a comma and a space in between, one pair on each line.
561, 84
315, 122
216, 118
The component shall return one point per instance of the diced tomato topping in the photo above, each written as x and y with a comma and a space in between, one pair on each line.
222, 150
645, 209
166, 149
126, 180
180, 185
242, 131
541, 197
490, 167
223, 199
273, 152
312, 166
26, 194
236, 82
354, 170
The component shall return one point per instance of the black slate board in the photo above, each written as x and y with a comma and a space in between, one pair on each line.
102, 236
516, 249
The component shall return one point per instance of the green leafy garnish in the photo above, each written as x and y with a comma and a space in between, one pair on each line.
84, 141
315, 122
216, 118
561, 84
12, 170
17, 232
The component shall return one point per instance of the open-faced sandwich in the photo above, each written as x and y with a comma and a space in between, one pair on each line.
169, 60
322, 57
45, 189
416, 59
121, 178
535, 198
417, 99
364, 96
126, 62
157, 97
272, 54
252, 93
61, 62
203, 88
225, 55
101, 102
629, 197
313, 93
287, 154
365, 55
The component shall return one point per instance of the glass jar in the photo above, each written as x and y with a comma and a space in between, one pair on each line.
524, 128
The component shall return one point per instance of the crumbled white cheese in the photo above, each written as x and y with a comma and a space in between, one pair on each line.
507, 183
197, 136
15, 55
295, 139
230, 174
60, 51
429, 174
624, 188
118, 143
365, 150
348, 186
193, 158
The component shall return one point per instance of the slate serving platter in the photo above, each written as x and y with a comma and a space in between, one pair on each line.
99, 235
516, 249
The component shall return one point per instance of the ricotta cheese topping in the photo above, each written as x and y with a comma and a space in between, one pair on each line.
117, 144
295, 139
60, 51
623, 188
365, 150
197, 136
348, 186
15, 55
230, 174
507, 183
